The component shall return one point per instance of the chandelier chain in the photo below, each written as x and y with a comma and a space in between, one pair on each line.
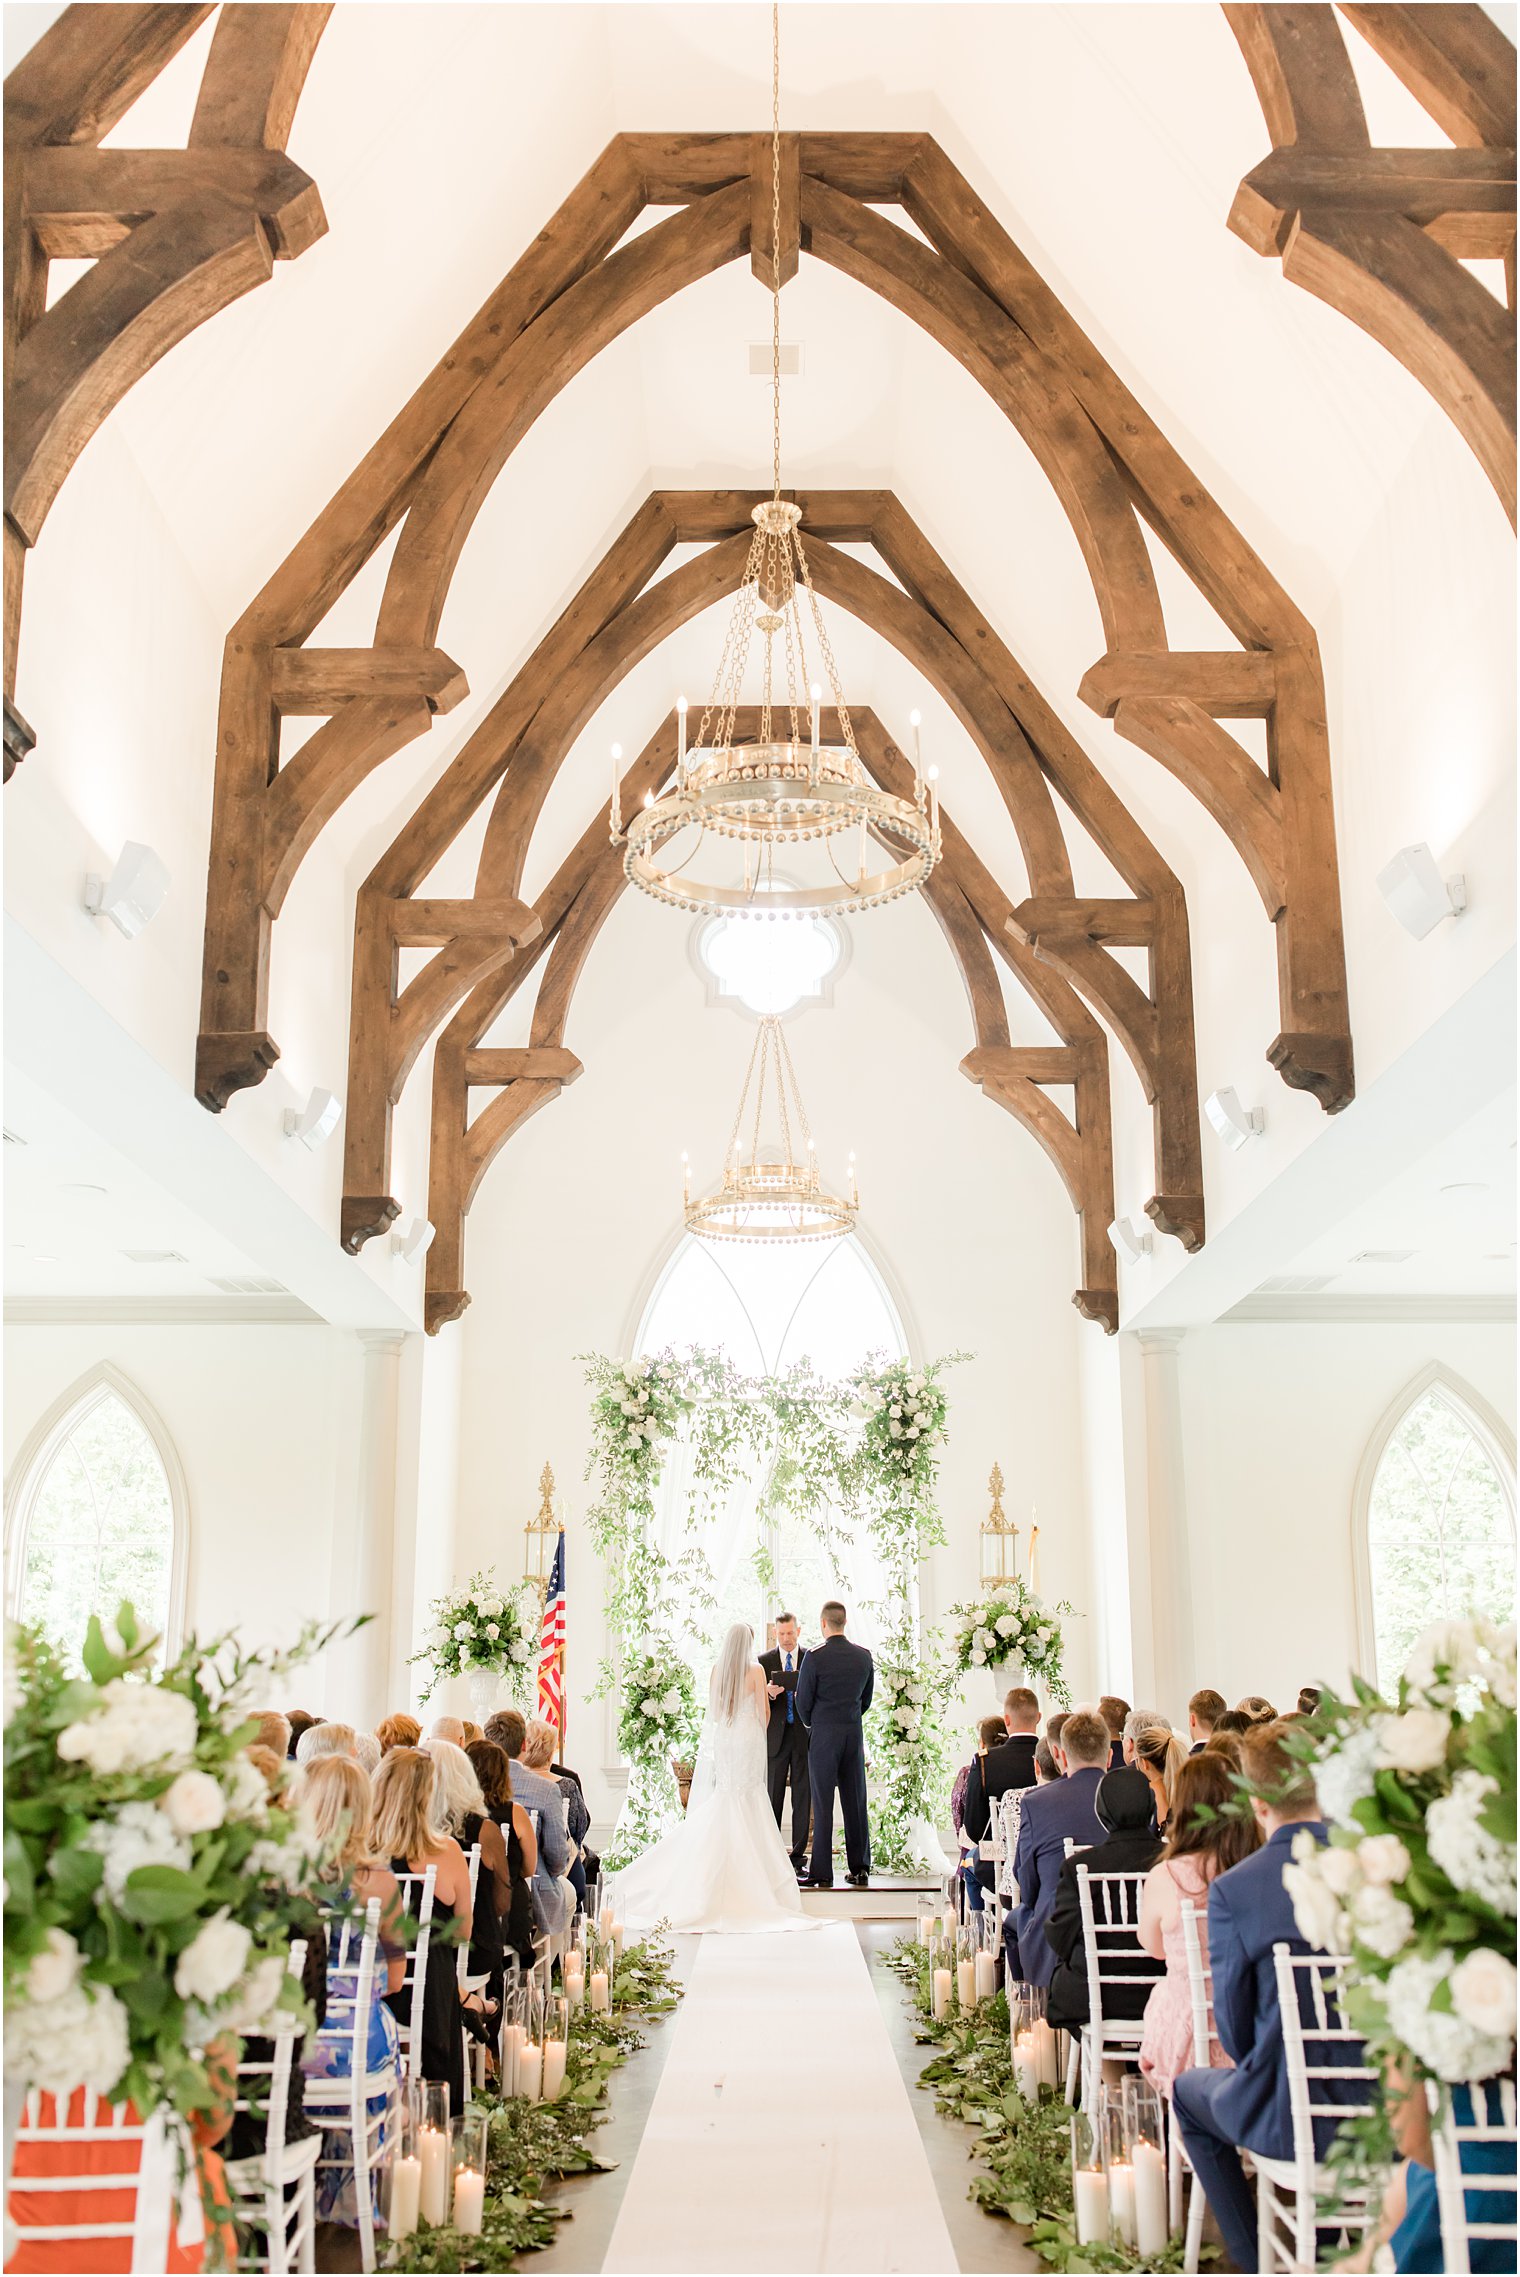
776, 248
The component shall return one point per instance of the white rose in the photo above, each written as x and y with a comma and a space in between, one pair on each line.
1316, 1907
1338, 1868
985, 1639
651, 1707
1483, 1991
1383, 1922
671, 1701
493, 1630
194, 1804
895, 1429
493, 1605
912, 1431
1443, 1657
133, 1727
256, 1998
51, 1972
635, 1436
214, 1960
1382, 1858
917, 1694
978, 1657
1007, 1624
78, 2040
1415, 1741
895, 1413
1445, 2040
628, 1407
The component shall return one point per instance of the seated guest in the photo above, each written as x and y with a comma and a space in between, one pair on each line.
273, 1732
990, 1732
326, 1739
450, 1728
271, 1768
1204, 1711
553, 1895
1222, 2113
1048, 1816
298, 1721
405, 1831
1053, 1726
538, 1755
1308, 1700
336, 1798
489, 1763
462, 1813
1231, 1725
1158, 1754
1123, 1804
1045, 1765
1255, 1709
397, 1731
472, 1732
1137, 1721
1227, 1744
1114, 1712
1008, 1765
367, 1751
1204, 1837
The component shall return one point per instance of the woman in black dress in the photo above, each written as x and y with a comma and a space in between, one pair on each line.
492, 1770
406, 1831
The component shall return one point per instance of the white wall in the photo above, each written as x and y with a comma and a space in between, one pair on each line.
266, 1423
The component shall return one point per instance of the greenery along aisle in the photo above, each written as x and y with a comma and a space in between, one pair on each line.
849, 1459
1023, 2147
533, 2145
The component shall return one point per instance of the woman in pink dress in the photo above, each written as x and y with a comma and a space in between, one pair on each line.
1200, 1842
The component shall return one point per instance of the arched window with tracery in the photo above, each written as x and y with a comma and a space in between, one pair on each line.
97, 1517
1436, 1521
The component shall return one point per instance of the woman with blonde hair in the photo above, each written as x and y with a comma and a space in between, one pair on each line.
1160, 1754
406, 1830
462, 1813
538, 1755
1260, 1711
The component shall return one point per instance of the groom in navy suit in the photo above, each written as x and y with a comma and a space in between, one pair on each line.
833, 1694
786, 1737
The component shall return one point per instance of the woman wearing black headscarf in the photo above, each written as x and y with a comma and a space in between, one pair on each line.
1123, 1804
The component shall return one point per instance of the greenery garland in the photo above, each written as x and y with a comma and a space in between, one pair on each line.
531, 2145
1023, 2147
833, 1456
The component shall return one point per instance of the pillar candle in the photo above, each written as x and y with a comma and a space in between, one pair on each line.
530, 2071
1045, 2054
1121, 2198
618, 1930
599, 1988
986, 1975
1026, 2069
406, 2191
511, 2040
554, 2069
965, 1983
575, 1986
1090, 2192
941, 2000
433, 2195
469, 2201
1151, 2224
925, 1928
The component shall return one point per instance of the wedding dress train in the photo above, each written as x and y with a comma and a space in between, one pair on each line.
725, 1868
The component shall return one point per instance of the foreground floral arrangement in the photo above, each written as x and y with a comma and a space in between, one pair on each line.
1012, 1624
861, 1455
1418, 1883
151, 1885
482, 1627
533, 2145
1023, 2149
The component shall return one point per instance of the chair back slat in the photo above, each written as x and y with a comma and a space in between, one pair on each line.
1317, 2048
472, 1859
1200, 1985
1110, 1911
415, 1982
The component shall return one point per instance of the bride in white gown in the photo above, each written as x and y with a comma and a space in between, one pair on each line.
725, 1867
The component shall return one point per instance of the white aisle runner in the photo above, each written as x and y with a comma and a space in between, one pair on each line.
781, 2136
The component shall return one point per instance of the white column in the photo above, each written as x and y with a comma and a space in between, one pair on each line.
1171, 1625
373, 1575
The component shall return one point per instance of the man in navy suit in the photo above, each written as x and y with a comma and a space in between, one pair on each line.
1222, 2113
1068, 1806
833, 1694
786, 1737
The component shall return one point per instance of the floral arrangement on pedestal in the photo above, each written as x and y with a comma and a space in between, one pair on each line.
151, 1884
1417, 1885
480, 1630
907, 1754
658, 1723
1012, 1624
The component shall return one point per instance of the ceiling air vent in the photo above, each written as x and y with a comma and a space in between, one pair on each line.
1382, 1257
1295, 1285
154, 1257
760, 359
249, 1285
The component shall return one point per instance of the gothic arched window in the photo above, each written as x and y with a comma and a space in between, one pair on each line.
97, 1517
1436, 1522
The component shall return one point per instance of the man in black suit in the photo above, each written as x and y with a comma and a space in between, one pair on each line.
1115, 1713
786, 1735
1000, 1770
833, 1694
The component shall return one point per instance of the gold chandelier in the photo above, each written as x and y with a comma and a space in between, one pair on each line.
789, 788
771, 1192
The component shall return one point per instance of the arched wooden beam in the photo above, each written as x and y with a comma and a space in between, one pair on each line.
175, 235
576, 287
1081, 1150
1381, 234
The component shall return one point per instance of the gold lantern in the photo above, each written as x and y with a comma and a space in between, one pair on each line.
1000, 1538
542, 1534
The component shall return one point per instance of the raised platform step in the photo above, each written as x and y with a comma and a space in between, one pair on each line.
888, 1897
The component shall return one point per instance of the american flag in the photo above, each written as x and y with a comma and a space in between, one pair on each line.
551, 1652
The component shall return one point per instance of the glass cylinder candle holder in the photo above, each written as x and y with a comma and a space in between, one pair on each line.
1145, 2134
965, 1966
573, 1975
925, 1916
941, 1976
400, 2182
1047, 2049
468, 2146
433, 2150
556, 2045
530, 2056
1120, 2169
514, 2020
1089, 2179
989, 1953
601, 1972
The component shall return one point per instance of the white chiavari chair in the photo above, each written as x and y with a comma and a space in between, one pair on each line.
1476, 2202
1005, 1816
1319, 2051
273, 2193
1110, 1909
1201, 2014
340, 2101
415, 1982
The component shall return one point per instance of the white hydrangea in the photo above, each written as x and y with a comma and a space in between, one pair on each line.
1483, 1991
1007, 1624
1414, 1742
79, 2039
244, 1789
194, 1803
521, 1648
1383, 1923
138, 1834
1445, 2041
212, 1962
1444, 1657
133, 1727
287, 1862
1344, 1776
1474, 1860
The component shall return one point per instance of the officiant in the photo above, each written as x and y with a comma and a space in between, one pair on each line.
786, 1737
